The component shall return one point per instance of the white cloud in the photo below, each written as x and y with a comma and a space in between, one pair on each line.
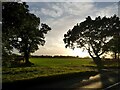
71, 8
80, 8
60, 9
53, 12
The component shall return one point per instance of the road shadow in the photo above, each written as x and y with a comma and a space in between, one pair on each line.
63, 81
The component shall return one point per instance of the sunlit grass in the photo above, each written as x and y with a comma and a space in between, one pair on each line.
50, 66
51, 62
45, 67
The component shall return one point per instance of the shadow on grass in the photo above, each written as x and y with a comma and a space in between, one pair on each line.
54, 81
105, 67
15, 65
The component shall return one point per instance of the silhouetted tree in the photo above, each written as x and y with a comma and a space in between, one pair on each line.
21, 29
93, 35
12, 13
115, 46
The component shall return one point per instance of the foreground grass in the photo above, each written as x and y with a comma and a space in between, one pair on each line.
46, 67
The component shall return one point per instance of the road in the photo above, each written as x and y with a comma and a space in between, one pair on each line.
115, 86
104, 81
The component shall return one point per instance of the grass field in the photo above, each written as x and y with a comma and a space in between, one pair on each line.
46, 67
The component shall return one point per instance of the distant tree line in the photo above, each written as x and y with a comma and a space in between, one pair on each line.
47, 56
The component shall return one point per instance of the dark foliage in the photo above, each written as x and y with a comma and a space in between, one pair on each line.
93, 36
21, 29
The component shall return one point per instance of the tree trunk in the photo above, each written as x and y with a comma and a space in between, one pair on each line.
118, 55
115, 55
26, 55
26, 58
98, 62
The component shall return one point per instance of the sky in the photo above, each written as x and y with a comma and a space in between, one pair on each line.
69, 0
62, 16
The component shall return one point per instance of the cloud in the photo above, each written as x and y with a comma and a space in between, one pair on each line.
108, 11
58, 0
53, 12
71, 0
63, 16
62, 9
80, 8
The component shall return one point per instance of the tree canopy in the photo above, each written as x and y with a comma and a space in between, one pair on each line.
22, 29
114, 44
93, 35
11, 21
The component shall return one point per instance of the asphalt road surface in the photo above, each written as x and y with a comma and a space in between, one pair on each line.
108, 80
105, 81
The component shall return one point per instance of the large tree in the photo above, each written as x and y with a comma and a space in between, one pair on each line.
21, 29
11, 21
93, 35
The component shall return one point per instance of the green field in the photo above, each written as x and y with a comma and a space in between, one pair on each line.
46, 67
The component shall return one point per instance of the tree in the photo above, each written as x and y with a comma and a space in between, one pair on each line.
93, 36
11, 21
115, 46
22, 29
114, 43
